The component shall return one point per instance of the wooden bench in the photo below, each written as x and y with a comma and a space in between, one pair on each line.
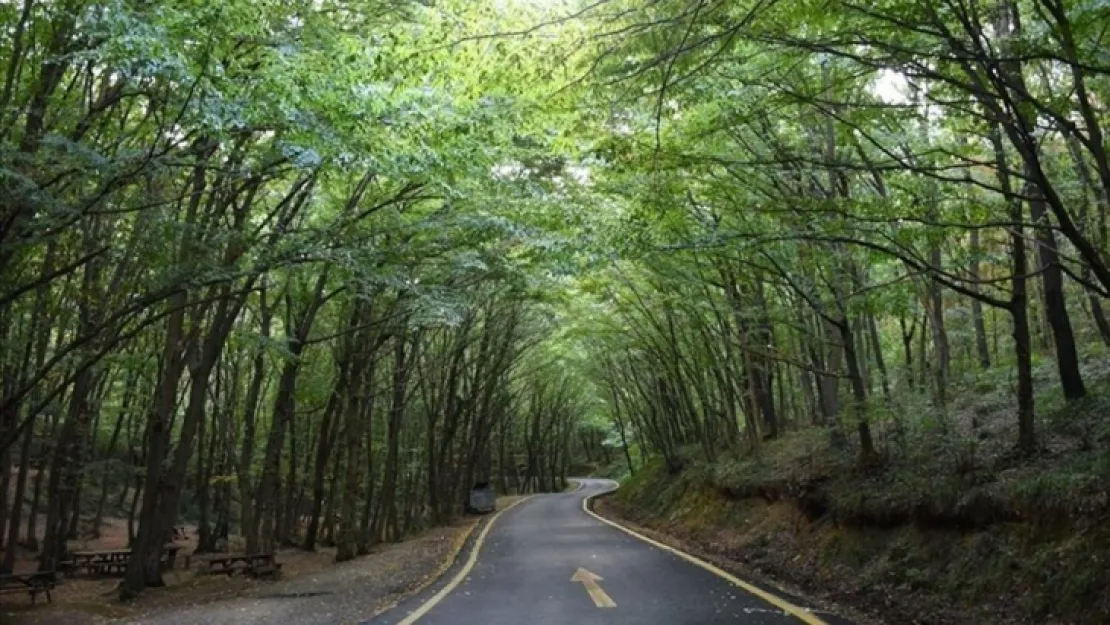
33, 583
254, 564
179, 533
114, 562
100, 563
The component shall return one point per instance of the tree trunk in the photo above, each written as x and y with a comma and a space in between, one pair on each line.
148, 538
386, 516
981, 347
1027, 437
297, 329
359, 409
1056, 308
324, 444
877, 348
1099, 316
829, 383
68, 464
12, 543
65, 473
940, 335
859, 391
32, 540
247, 503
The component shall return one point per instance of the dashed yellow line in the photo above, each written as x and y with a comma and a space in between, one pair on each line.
798, 612
463, 572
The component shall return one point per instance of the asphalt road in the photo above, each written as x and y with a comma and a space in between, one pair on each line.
523, 574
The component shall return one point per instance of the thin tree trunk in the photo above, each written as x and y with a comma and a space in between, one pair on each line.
859, 392
98, 516
940, 335
981, 347
877, 348
324, 444
1027, 437
361, 376
11, 545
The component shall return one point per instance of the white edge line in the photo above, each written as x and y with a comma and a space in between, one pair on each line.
800, 613
471, 560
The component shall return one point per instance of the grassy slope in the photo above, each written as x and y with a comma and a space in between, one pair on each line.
953, 528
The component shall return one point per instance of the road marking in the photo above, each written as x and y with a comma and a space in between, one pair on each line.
461, 575
800, 613
590, 581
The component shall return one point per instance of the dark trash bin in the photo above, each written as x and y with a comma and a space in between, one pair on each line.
483, 498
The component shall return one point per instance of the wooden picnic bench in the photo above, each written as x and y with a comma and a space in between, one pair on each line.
255, 564
114, 562
99, 563
33, 583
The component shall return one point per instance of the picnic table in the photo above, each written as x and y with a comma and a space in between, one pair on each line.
114, 562
255, 564
33, 583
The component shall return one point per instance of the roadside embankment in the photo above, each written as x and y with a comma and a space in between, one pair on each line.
902, 543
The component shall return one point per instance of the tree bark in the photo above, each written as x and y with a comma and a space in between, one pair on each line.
1056, 308
247, 502
981, 348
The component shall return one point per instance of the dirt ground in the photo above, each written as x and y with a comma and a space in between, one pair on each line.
381, 577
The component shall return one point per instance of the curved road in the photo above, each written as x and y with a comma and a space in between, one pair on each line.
523, 574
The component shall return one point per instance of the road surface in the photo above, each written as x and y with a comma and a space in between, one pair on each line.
548, 562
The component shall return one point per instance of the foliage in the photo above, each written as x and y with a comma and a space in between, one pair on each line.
311, 269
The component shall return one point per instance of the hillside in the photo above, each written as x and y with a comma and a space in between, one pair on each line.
947, 530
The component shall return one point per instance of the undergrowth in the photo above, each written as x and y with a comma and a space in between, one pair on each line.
952, 527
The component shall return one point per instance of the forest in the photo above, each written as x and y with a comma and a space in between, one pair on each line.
301, 273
